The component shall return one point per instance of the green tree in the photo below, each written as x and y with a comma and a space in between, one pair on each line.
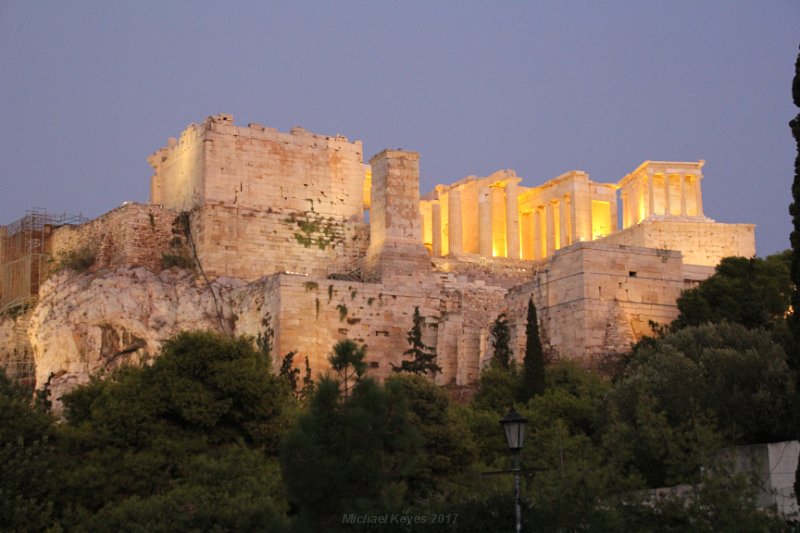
233, 488
497, 389
140, 431
753, 292
423, 357
794, 238
349, 455
501, 342
308, 382
447, 446
27, 458
738, 376
347, 360
794, 210
533, 373
289, 372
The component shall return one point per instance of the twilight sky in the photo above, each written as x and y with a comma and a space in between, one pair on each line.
90, 89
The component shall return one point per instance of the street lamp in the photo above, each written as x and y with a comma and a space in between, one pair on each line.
514, 428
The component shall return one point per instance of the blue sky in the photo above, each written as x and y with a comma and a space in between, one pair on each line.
90, 89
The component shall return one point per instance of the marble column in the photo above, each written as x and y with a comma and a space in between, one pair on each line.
614, 215
526, 235
562, 222
484, 222
537, 233
550, 229
512, 220
698, 196
651, 199
436, 229
683, 195
454, 235
573, 220
666, 195
625, 210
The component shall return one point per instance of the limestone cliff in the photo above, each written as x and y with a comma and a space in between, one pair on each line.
87, 323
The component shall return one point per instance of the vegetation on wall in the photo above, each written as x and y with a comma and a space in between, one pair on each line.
315, 230
78, 259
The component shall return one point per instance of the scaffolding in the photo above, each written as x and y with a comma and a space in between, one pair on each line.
25, 252
25, 248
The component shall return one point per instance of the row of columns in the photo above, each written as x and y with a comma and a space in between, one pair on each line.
631, 205
490, 198
546, 228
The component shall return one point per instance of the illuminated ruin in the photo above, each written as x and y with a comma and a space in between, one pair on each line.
285, 214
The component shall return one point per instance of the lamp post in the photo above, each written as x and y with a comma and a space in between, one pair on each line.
514, 428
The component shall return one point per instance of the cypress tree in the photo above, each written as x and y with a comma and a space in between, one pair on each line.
794, 210
533, 372
423, 357
501, 342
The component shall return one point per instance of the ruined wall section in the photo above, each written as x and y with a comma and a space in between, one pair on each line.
264, 201
310, 315
178, 182
395, 245
250, 243
16, 353
702, 243
499, 271
130, 235
598, 298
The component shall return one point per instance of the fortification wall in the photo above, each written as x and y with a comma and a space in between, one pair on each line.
701, 242
264, 201
179, 179
310, 315
593, 299
497, 271
250, 243
257, 168
133, 234
16, 353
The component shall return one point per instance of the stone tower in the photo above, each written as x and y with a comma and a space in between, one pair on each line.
395, 240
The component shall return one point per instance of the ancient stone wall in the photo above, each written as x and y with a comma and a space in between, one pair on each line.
395, 243
16, 353
264, 201
131, 235
249, 243
597, 297
310, 315
701, 242
257, 168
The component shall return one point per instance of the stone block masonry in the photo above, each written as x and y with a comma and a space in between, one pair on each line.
278, 223
131, 235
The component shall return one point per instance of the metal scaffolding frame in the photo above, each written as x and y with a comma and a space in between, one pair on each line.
25, 249
25, 252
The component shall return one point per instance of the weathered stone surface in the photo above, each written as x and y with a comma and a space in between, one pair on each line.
87, 323
278, 223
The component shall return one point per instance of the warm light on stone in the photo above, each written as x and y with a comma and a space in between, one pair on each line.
278, 221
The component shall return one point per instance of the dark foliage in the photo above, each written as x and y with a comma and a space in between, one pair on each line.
501, 342
533, 377
423, 357
752, 292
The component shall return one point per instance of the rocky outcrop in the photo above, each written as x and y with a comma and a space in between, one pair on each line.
85, 324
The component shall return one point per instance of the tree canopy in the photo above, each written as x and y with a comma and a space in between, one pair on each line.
423, 357
753, 292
